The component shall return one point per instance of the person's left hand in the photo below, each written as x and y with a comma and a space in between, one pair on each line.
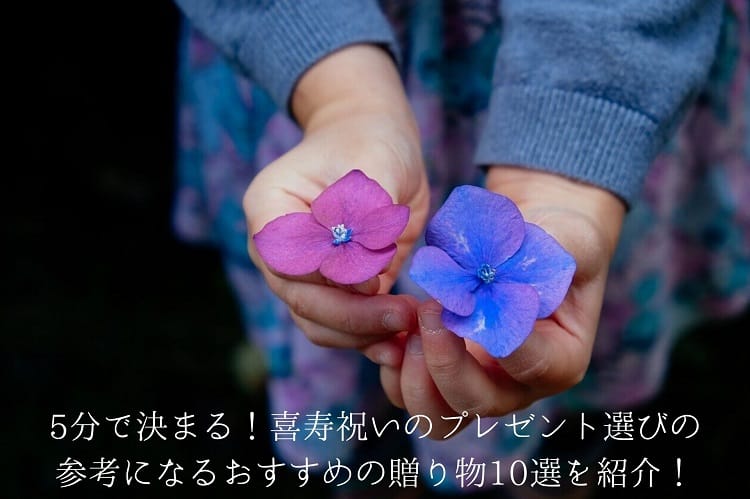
443, 375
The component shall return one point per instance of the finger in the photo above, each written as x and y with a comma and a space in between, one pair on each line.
550, 360
368, 287
390, 380
419, 393
326, 337
556, 354
346, 312
464, 383
390, 274
386, 353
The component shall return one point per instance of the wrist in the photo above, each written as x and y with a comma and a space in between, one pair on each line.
356, 80
539, 194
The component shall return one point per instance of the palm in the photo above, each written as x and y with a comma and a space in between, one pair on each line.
293, 181
560, 344
442, 373
380, 148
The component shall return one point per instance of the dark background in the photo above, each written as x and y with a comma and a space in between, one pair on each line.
105, 311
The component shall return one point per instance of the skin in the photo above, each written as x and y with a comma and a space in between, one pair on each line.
354, 113
443, 375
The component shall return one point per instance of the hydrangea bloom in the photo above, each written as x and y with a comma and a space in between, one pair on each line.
349, 235
493, 273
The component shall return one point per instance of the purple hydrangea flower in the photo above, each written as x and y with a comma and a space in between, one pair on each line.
493, 273
349, 236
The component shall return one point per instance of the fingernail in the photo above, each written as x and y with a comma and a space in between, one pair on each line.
383, 359
430, 322
382, 355
414, 344
393, 321
379, 358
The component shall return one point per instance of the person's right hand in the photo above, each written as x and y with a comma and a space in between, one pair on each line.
355, 115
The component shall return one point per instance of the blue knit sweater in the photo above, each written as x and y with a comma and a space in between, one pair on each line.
589, 89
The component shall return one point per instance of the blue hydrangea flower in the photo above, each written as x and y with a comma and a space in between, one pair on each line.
493, 273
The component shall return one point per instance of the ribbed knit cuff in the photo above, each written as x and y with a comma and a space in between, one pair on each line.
290, 36
571, 134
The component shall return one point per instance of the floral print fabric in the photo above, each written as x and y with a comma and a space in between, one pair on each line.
684, 255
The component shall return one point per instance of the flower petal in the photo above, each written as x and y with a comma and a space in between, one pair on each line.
381, 227
476, 226
544, 264
503, 318
445, 280
352, 263
349, 200
294, 244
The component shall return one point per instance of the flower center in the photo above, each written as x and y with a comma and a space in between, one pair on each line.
486, 273
341, 234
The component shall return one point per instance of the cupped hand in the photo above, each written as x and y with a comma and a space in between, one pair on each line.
364, 124
443, 375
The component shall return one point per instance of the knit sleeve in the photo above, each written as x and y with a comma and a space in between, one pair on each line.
593, 89
275, 42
